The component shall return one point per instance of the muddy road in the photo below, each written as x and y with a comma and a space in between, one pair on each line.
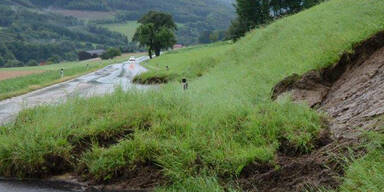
97, 83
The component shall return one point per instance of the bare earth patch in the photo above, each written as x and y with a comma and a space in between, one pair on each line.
13, 74
351, 93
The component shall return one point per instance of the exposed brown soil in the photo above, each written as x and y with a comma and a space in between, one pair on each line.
85, 143
141, 177
13, 74
151, 80
351, 92
322, 168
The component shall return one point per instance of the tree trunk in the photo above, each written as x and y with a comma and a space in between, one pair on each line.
150, 53
157, 52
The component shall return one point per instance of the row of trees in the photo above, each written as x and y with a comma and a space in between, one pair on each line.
253, 13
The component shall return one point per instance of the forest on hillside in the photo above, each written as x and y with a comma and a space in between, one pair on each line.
195, 16
29, 36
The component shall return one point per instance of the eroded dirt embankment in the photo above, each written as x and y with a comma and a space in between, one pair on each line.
351, 92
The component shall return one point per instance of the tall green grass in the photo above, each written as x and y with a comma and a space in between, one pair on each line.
367, 173
190, 63
211, 131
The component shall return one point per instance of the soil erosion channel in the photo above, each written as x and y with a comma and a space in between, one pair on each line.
97, 83
351, 92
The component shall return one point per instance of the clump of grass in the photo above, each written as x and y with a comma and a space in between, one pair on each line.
199, 62
367, 173
213, 130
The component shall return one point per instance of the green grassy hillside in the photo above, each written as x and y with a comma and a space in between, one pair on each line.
203, 137
127, 28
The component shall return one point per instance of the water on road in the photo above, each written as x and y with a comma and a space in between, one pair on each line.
23, 186
97, 83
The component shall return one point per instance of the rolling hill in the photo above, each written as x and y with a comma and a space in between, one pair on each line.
195, 16
30, 34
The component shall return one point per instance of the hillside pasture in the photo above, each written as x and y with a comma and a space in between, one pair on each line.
128, 28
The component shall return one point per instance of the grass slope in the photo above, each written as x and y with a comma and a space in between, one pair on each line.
198, 137
20, 85
128, 28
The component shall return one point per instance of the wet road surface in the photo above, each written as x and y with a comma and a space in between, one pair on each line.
97, 83
22, 186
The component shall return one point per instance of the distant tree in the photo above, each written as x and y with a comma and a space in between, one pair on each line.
13, 63
54, 59
70, 56
205, 37
2, 61
32, 62
217, 36
156, 32
253, 13
111, 53
237, 29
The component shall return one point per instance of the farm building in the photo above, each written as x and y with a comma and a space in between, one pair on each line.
84, 55
178, 46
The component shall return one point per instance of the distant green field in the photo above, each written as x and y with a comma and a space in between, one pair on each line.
128, 28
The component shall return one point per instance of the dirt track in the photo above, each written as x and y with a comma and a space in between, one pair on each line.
13, 74
97, 83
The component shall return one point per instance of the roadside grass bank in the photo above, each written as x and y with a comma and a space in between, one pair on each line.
190, 63
51, 75
201, 138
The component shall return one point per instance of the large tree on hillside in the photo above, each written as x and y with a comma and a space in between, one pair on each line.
156, 32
